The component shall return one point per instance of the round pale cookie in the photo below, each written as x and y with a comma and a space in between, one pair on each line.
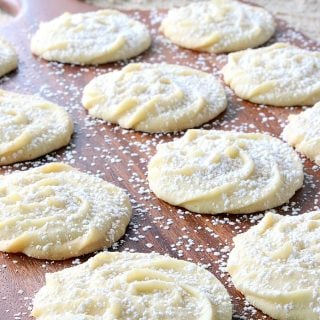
57, 212
90, 38
276, 265
155, 97
135, 286
303, 132
225, 171
278, 75
218, 26
31, 127
8, 57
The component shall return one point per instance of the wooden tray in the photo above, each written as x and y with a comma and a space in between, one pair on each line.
121, 156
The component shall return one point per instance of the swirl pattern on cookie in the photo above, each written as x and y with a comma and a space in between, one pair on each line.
8, 57
155, 97
276, 265
136, 286
303, 132
277, 75
31, 127
90, 38
57, 212
218, 26
225, 171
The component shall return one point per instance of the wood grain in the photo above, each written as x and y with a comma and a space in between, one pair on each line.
121, 157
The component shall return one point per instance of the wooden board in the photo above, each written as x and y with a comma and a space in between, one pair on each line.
121, 157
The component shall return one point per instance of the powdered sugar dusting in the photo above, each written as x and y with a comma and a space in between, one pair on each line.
121, 156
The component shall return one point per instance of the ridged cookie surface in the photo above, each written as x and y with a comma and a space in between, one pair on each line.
90, 38
31, 127
155, 97
211, 171
303, 132
277, 75
8, 57
136, 286
57, 212
276, 265
218, 26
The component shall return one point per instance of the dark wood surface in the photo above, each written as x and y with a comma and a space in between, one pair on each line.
121, 157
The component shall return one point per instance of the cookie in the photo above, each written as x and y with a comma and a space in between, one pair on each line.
218, 26
31, 127
278, 75
303, 132
136, 286
211, 171
57, 212
155, 97
276, 266
8, 57
90, 38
